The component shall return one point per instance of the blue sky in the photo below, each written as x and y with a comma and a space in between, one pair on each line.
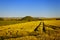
35, 8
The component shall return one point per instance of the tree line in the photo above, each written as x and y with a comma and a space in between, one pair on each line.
26, 18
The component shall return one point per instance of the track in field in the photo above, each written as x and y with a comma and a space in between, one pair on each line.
41, 24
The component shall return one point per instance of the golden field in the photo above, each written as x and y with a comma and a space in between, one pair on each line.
25, 31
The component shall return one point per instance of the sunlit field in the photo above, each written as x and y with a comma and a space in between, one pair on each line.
34, 30
53, 22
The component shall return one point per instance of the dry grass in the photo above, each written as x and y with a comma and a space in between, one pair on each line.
25, 31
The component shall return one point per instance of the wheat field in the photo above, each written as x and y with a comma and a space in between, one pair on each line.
25, 31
